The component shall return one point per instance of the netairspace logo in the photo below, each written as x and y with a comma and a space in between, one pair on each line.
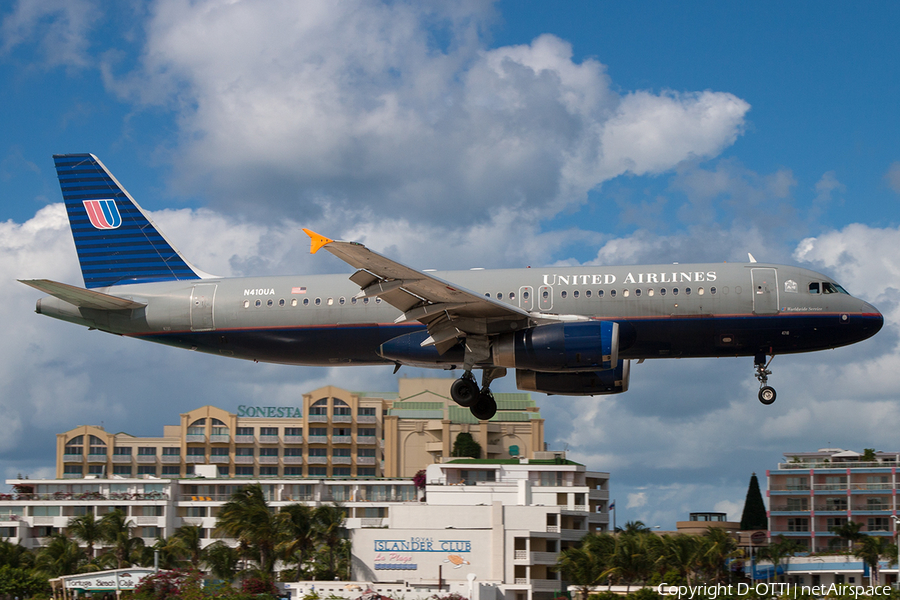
791, 590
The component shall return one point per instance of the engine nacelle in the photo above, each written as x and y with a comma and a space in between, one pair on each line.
408, 350
582, 346
585, 383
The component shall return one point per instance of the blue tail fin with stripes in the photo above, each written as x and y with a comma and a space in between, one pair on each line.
117, 243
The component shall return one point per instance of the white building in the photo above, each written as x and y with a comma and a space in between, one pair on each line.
500, 523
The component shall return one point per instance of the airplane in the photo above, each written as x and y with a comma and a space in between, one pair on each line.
565, 330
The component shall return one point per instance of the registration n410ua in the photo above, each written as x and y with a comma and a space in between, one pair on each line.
570, 331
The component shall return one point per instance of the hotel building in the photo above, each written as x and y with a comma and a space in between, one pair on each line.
330, 432
813, 492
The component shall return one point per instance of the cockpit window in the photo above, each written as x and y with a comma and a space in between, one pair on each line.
832, 288
814, 287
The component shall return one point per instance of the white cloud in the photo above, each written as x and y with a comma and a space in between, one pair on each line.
892, 177
636, 500
351, 108
59, 28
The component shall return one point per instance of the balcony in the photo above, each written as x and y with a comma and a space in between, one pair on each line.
342, 419
293, 439
317, 418
244, 439
195, 458
147, 520
220, 438
365, 460
195, 438
836, 465
171, 459
371, 440
317, 460
146, 458
293, 460
366, 419
536, 558
318, 439
341, 460
268, 439
121, 458
243, 460
216, 459
94, 458
268, 460
341, 439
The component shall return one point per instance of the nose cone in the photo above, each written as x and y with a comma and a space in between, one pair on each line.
873, 319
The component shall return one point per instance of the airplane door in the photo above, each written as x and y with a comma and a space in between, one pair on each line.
546, 297
202, 297
526, 298
765, 291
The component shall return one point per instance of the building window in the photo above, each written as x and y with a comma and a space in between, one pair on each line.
472, 476
366, 411
365, 471
341, 408
171, 451
123, 470
268, 471
319, 407
318, 431
150, 532
147, 470
366, 452
122, 451
342, 452
797, 483
196, 451
835, 482
879, 524
268, 431
146, 451
268, 451
173, 470
218, 451
244, 431
293, 471
318, 451
223, 471
73, 470
798, 503
835, 503
366, 432
798, 524
341, 471
877, 504
833, 522
195, 511
243, 471
97, 447
75, 445
243, 451
198, 427
296, 431
318, 471
95, 469
45, 511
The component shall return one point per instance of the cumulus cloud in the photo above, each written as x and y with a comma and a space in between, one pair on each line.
353, 108
892, 177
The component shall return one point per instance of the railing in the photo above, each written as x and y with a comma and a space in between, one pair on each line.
268, 460
317, 460
365, 460
552, 528
96, 458
218, 459
268, 439
293, 460
786, 508
195, 438
147, 520
341, 460
837, 465
366, 419
121, 458
243, 460
195, 458
293, 439
244, 439
219, 438
368, 440
318, 439
872, 507
371, 522
788, 488
146, 458
171, 458
341, 439
521, 555
342, 419
317, 418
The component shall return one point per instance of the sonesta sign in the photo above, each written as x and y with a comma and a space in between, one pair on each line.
270, 412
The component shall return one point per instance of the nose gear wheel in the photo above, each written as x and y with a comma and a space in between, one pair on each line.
766, 392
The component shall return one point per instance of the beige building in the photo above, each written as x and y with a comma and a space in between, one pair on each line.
331, 432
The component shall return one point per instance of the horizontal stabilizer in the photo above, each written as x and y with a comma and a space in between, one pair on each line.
82, 297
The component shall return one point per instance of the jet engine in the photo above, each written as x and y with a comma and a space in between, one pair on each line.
584, 383
560, 347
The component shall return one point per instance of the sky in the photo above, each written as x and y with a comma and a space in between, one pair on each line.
459, 135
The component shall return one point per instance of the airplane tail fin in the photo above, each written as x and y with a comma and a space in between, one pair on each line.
117, 243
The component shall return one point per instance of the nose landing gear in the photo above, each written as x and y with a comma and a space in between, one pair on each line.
766, 392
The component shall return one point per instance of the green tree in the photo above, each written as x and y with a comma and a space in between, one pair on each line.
247, 518
21, 582
868, 455
719, 546
298, 543
62, 556
579, 566
754, 514
117, 531
188, 542
871, 549
849, 531
680, 553
328, 524
221, 560
15, 555
465, 446
87, 529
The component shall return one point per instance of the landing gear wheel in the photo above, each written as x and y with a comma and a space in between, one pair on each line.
464, 391
767, 395
486, 407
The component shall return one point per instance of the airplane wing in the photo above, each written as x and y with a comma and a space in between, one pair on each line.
80, 296
448, 310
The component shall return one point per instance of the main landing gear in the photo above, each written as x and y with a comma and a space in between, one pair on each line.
766, 392
481, 403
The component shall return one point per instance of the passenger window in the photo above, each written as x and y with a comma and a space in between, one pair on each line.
662, 291
712, 290
353, 300
512, 295
674, 291
699, 291
587, 293
612, 293
330, 301
637, 292
525, 295
318, 301
814, 287
599, 293
365, 300
341, 300
499, 295
246, 304
258, 303
270, 303
687, 291
625, 293
546, 294
575, 294
281, 302
378, 300
487, 295
293, 302
306, 302
650, 292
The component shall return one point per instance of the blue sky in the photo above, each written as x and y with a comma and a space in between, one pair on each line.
484, 134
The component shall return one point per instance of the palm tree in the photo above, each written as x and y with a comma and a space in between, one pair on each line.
849, 531
719, 547
633, 527
248, 518
680, 553
581, 567
15, 555
62, 556
297, 527
871, 550
188, 541
87, 529
221, 560
117, 532
328, 521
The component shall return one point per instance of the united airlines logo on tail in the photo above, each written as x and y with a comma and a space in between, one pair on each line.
103, 213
